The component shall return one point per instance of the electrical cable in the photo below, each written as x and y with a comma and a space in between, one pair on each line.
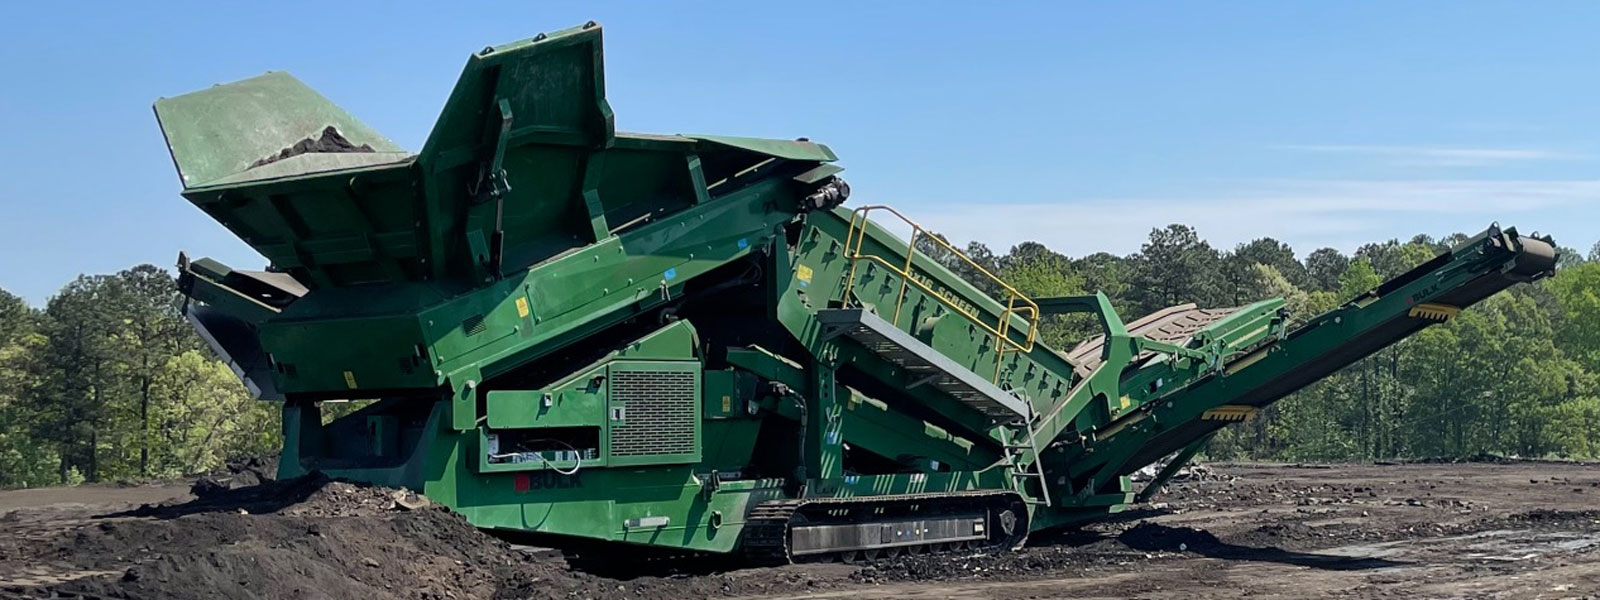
577, 463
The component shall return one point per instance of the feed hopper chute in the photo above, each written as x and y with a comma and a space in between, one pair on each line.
684, 342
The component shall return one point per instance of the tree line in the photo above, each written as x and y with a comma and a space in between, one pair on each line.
1516, 375
108, 382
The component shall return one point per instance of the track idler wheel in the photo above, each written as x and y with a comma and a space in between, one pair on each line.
1012, 523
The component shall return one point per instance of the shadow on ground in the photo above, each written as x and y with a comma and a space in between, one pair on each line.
266, 498
1151, 537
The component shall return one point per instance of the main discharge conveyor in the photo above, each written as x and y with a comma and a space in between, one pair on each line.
685, 342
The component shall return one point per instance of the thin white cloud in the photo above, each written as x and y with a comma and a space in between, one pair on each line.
1438, 156
1305, 213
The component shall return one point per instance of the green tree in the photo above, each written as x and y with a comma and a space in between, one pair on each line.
978, 256
204, 417
1175, 266
1494, 381
1269, 283
1238, 267
1358, 279
1376, 390
1038, 272
1577, 294
1392, 258
1264, 433
153, 330
1443, 409
1106, 273
16, 318
1323, 268
1569, 257
80, 368
22, 461
84, 388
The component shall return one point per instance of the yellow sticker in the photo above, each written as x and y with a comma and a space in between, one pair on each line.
350, 379
1125, 402
804, 273
727, 404
522, 307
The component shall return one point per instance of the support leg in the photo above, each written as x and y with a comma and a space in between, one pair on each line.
824, 458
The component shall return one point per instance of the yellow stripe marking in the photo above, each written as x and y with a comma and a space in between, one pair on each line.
1229, 412
1434, 311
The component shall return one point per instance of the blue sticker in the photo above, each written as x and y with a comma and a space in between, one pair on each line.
850, 479
743, 243
671, 273
833, 437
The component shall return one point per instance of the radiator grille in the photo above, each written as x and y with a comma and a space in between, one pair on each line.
658, 413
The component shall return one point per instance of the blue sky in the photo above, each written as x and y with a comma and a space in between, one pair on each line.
1082, 126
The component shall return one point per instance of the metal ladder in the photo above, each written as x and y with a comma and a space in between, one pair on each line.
1016, 470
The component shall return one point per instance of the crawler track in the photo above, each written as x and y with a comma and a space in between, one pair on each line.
852, 530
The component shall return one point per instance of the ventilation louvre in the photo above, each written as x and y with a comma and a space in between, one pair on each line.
658, 413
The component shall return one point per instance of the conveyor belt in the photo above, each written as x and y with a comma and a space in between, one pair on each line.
1530, 259
1172, 325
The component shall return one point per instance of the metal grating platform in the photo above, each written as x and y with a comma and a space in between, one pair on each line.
928, 366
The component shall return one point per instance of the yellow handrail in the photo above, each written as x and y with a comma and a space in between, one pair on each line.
1016, 303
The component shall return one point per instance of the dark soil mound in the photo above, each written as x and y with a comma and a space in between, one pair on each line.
330, 141
309, 537
238, 473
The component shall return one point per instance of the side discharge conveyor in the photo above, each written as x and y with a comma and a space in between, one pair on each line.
684, 343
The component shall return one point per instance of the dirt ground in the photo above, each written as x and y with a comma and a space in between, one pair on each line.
1475, 530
